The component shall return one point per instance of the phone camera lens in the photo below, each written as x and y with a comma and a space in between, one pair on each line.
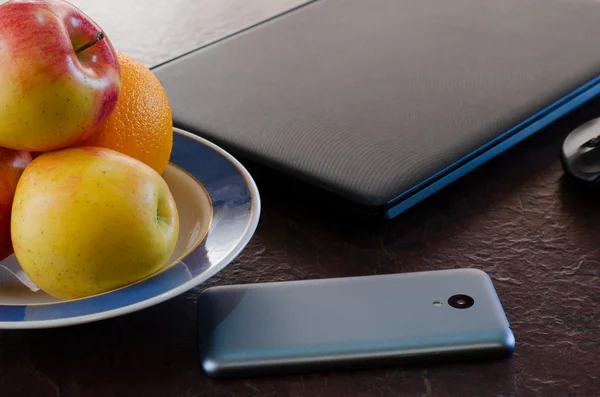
461, 301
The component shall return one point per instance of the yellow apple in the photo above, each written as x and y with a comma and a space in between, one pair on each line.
89, 220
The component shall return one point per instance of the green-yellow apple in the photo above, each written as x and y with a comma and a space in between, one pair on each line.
89, 220
12, 164
59, 75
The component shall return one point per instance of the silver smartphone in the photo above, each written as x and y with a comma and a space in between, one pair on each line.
351, 323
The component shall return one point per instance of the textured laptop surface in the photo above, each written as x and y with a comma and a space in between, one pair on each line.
370, 98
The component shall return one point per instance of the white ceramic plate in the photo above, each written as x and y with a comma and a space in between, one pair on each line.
219, 208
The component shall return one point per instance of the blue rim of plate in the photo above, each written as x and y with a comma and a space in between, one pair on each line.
236, 211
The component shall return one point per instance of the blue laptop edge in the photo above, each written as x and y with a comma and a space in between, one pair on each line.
503, 142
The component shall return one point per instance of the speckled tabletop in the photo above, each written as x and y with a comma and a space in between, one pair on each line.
517, 217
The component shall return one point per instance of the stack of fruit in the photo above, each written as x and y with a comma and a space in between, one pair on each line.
85, 135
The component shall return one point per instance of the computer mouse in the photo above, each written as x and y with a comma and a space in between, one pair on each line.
580, 155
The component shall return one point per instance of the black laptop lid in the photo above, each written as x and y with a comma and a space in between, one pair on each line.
370, 98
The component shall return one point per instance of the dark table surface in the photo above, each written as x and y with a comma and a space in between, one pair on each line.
517, 218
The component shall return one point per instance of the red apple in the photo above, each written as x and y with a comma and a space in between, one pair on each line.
59, 75
12, 165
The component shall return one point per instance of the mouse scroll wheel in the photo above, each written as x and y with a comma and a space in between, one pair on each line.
593, 142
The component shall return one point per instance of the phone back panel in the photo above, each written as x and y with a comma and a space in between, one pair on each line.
350, 322
377, 100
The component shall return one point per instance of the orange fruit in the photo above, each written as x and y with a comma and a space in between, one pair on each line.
141, 125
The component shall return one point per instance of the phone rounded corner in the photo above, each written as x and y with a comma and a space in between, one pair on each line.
477, 273
203, 294
509, 342
211, 367
207, 293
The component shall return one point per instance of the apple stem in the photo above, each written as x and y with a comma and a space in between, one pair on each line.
99, 36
